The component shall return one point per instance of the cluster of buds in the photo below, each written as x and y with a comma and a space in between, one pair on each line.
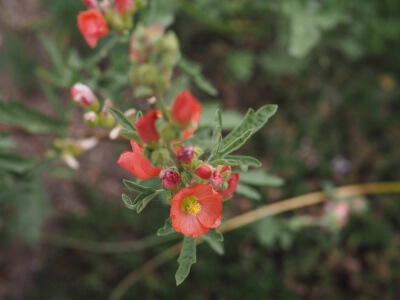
196, 189
95, 22
83, 96
153, 53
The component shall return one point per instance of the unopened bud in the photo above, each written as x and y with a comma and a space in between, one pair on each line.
204, 171
216, 180
169, 178
187, 154
124, 6
91, 118
83, 95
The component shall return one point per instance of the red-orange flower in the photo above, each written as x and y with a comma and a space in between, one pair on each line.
146, 126
92, 25
196, 209
185, 109
232, 185
136, 163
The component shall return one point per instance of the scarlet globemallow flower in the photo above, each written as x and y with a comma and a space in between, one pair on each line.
124, 6
146, 126
232, 185
92, 25
196, 209
82, 94
136, 163
185, 109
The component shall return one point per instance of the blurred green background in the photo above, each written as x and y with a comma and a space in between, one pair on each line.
331, 66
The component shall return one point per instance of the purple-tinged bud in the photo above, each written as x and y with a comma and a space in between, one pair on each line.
169, 178
186, 154
216, 180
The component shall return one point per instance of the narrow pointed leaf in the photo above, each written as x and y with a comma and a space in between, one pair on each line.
217, 135
248, 191
186, 259
261, 178
130, 134
121, 119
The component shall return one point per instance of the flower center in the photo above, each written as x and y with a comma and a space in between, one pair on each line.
191, 205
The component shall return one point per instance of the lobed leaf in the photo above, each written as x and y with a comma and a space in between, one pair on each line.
236, 144
167, 229
186, 259
253, 121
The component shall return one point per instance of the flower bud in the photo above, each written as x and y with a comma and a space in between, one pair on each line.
146, 127
90, 3
82, 94
216, 180
186, 154
169, 178
204, 171
124, 6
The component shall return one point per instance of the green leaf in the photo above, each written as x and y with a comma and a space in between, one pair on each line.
214, 239
186, 259
248, 191
240, 64
253, 120
217, 135
261, 178
121, 119
194, 71
146, 200
129, 134
244, 162
167, 229
236, 144
137, 187
31, 120
128, 202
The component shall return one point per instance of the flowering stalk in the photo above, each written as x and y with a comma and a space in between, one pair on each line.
194, 180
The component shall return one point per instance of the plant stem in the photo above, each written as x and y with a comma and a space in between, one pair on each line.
253, 216
161, 104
